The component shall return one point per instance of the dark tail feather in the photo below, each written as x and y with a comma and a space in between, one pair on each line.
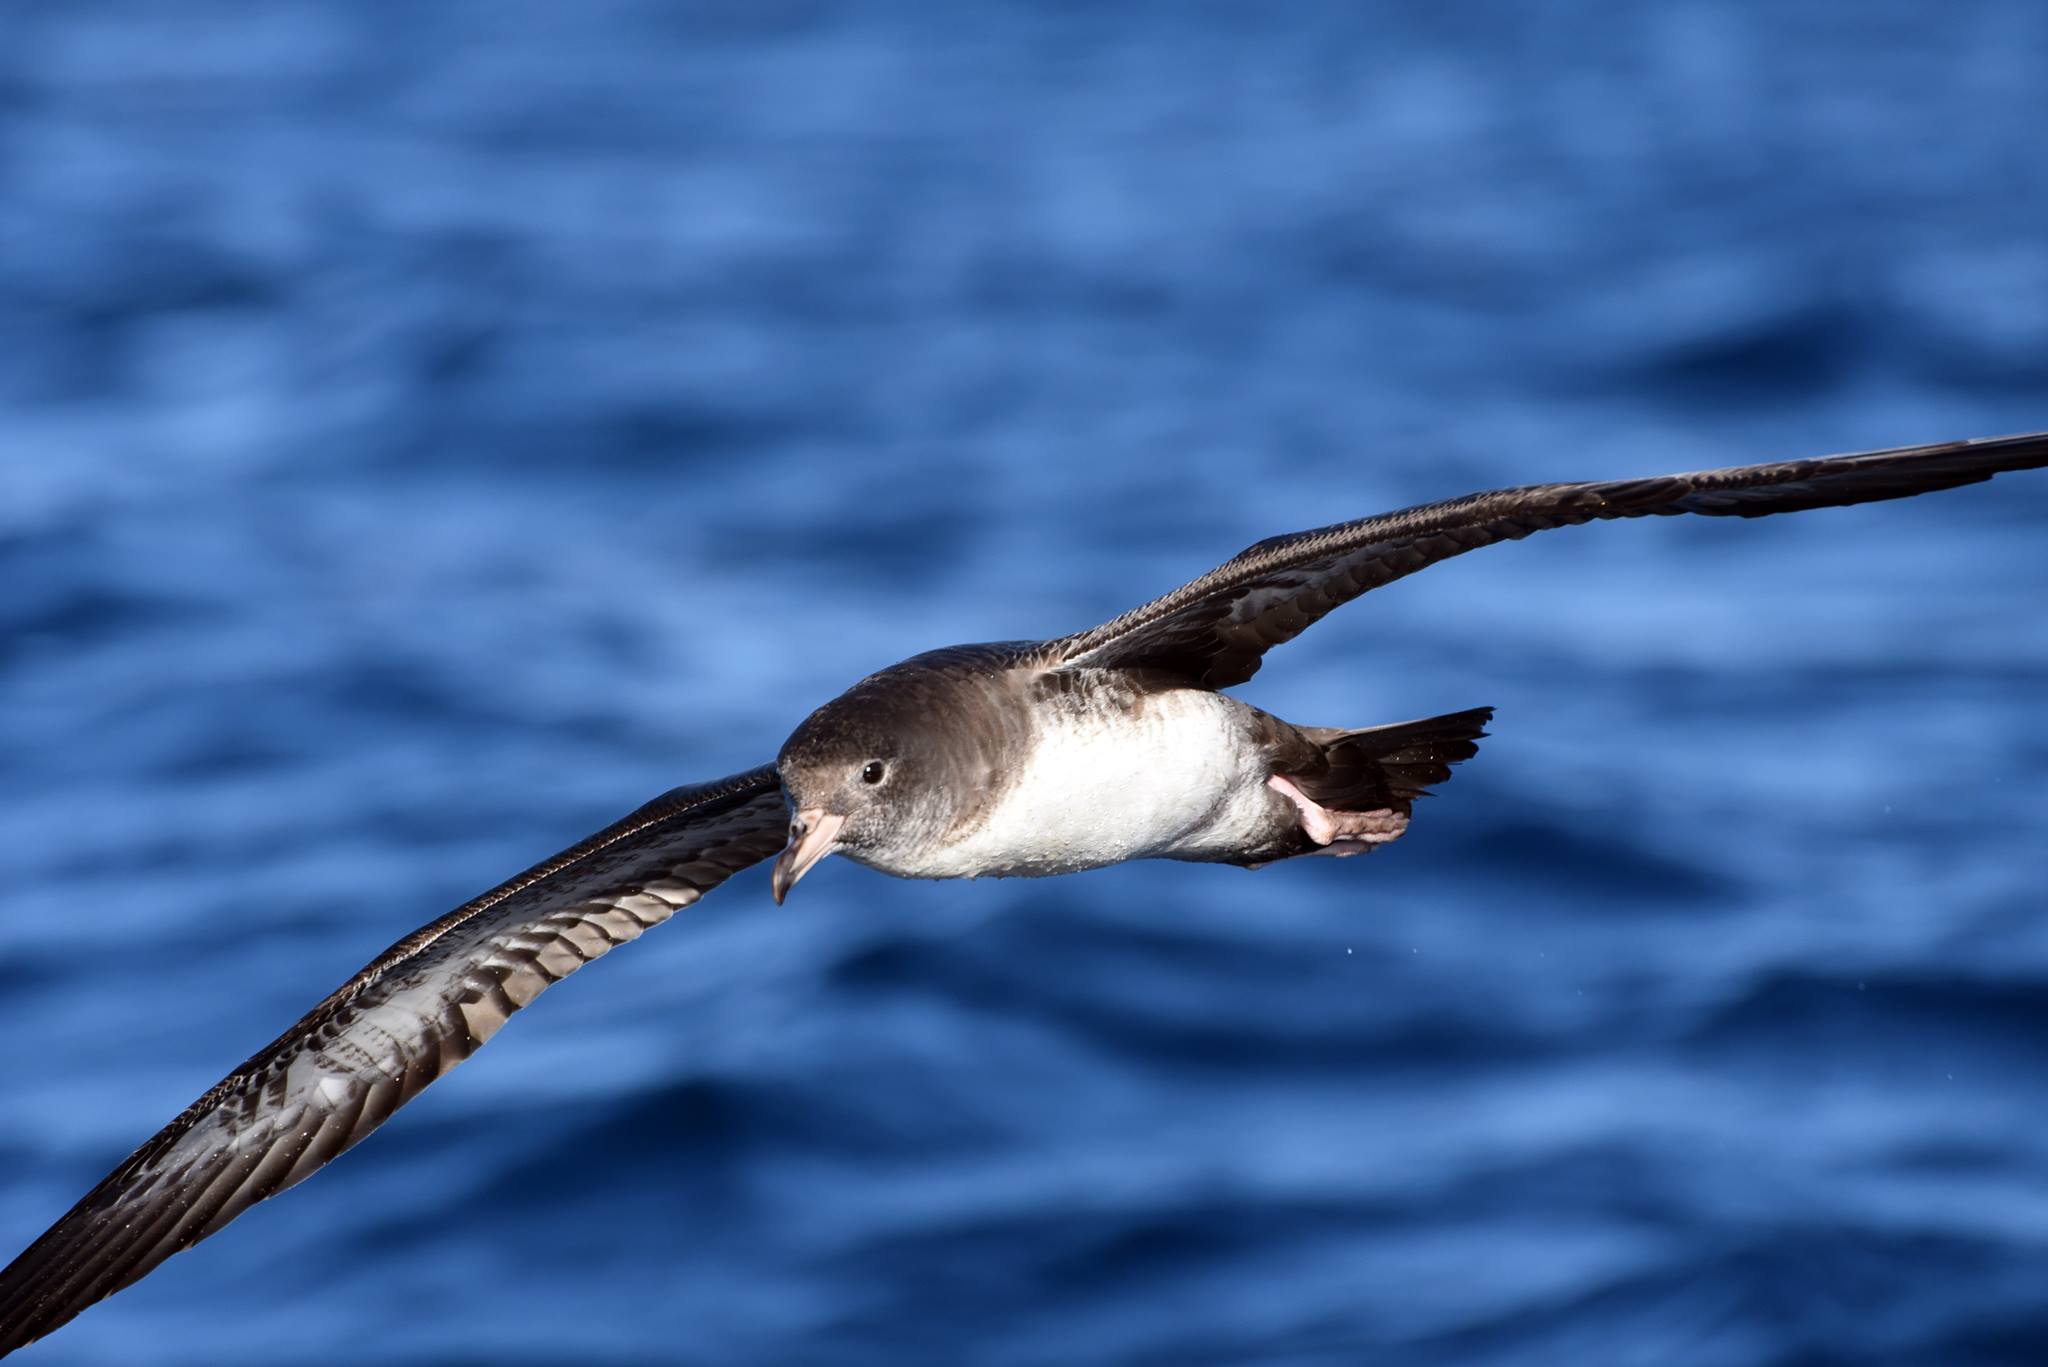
1391, 766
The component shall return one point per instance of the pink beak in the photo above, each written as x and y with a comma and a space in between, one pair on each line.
813, 834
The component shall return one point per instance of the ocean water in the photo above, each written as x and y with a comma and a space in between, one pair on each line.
428, 431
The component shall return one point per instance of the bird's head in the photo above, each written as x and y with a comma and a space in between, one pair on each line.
878, 774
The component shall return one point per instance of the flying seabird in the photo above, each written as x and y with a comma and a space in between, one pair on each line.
1019, 758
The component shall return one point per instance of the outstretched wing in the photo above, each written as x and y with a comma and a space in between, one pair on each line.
1215, 629
417, 1010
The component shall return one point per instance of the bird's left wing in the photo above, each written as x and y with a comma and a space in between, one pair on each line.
1214, 630
410, 1015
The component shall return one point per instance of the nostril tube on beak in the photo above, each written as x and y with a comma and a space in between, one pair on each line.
813, 834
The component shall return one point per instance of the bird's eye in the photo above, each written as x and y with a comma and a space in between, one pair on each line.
873, 772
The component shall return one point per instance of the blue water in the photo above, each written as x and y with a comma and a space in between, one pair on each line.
428, 431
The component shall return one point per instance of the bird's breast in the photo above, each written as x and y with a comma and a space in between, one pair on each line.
1105, 778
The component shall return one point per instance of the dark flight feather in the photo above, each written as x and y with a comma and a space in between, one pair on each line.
1214, 630
430, 1000
411, 1014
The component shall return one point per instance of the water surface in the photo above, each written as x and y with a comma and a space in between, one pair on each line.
425, 434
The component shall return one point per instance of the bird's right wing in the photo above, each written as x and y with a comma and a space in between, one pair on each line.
410, 1015
1214, 630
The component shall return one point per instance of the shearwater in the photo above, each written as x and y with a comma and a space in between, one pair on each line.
1022, 758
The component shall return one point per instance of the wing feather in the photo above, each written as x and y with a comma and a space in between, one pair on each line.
410, 1015
1215, 629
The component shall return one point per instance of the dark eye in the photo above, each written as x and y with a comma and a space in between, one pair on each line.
873, 772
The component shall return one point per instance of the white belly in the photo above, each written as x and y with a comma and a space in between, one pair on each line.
1180, 777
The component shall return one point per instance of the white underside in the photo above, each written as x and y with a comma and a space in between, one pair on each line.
1182, 778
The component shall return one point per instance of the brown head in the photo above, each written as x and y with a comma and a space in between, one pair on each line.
898, 761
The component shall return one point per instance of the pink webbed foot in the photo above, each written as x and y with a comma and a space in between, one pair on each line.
1340, 833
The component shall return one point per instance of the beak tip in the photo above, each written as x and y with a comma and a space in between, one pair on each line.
812, 835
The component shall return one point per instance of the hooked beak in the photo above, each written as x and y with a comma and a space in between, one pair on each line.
813, 834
